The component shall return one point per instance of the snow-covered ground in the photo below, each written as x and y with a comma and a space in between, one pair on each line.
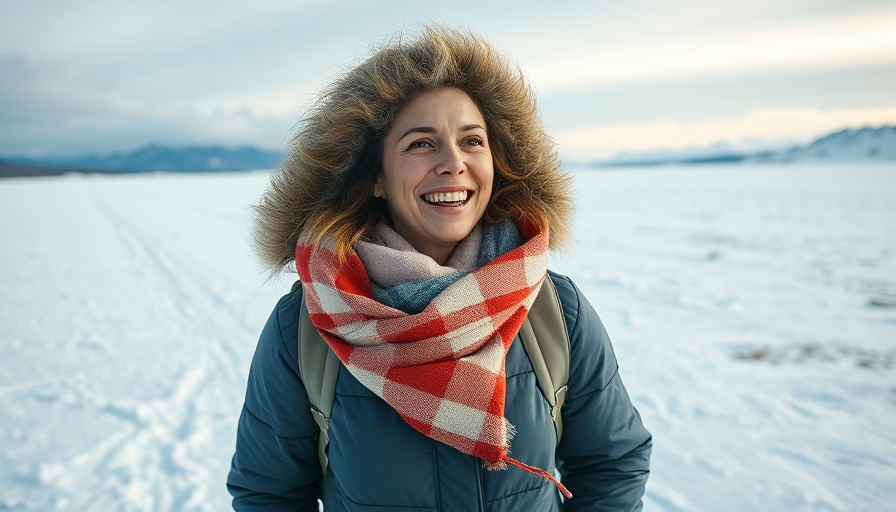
753, 310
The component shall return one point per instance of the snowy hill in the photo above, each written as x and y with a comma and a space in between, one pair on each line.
155, 158
845, 145
855, 145
719, 152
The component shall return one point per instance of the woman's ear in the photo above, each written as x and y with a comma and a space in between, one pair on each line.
378, 190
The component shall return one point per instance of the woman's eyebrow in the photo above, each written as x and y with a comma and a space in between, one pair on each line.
430, 129
421, 129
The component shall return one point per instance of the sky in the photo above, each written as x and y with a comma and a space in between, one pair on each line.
611, 77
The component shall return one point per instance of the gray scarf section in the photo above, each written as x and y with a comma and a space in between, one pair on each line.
407, 280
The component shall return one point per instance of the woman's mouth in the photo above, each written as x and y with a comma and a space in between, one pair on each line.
458, 198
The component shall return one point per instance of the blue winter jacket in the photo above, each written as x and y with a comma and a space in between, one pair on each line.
379, 463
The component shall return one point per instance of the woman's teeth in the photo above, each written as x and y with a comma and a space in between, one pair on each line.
446, 197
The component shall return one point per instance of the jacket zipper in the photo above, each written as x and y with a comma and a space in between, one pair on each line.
479, 490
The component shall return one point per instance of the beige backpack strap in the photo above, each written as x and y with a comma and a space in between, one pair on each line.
546, 341
318, 369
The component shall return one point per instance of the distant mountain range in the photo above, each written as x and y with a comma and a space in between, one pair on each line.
864, 144
149, 159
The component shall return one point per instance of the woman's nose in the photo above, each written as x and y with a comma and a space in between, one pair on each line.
451, 162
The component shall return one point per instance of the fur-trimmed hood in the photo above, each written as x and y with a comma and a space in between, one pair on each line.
324, 186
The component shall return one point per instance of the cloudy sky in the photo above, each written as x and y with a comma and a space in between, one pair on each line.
611, 76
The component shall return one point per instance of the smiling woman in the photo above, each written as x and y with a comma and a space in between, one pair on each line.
418, 206
437, 171
324, 189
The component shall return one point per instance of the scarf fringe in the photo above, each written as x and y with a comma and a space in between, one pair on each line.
510, 429
539, 472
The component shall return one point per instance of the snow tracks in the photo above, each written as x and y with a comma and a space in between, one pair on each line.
125, 337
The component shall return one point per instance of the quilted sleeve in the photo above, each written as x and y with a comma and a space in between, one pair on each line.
275, 466
604, 456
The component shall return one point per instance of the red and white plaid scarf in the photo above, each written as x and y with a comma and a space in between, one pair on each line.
443, 369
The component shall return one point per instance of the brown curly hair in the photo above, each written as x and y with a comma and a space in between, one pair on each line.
324, 186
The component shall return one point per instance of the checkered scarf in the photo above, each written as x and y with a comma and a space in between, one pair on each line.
442, 369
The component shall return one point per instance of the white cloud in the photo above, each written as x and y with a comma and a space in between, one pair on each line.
836, 42
103, 75
45, 92
52, 108
794, 124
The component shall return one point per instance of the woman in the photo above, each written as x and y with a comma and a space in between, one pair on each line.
418, 204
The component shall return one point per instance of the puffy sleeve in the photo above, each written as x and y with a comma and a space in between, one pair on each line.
275, 465
604, 455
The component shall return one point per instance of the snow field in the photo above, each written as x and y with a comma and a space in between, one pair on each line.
740, 300
126, 339
749, 307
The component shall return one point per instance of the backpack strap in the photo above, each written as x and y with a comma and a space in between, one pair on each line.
318, 369
546, 341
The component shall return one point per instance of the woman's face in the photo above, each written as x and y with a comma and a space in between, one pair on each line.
437, 171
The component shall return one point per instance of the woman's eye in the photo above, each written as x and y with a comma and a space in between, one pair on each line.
474, 141
420, 144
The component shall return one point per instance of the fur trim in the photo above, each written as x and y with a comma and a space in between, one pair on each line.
325, 181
